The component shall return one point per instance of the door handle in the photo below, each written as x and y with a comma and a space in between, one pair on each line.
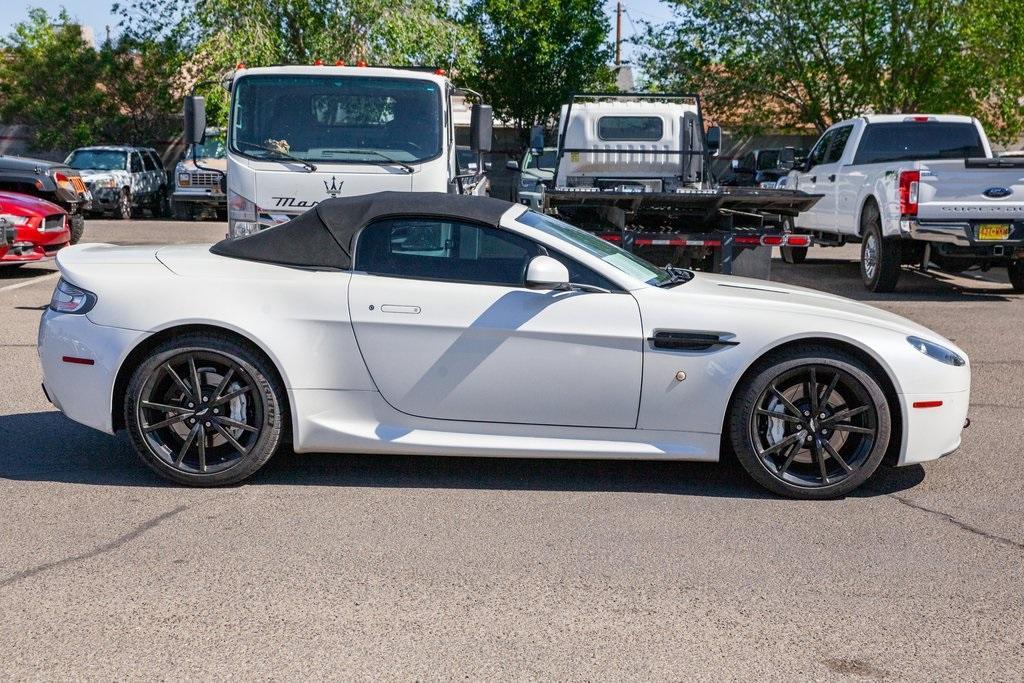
832, 178
814, 179
395, 308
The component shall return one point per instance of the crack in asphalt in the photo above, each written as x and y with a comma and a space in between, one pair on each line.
97, 551
956, 522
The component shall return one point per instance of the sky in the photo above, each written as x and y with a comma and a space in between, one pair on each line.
96, 13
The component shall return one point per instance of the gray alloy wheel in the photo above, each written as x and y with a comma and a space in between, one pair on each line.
204, 410
879, 256
810, 424
124, 205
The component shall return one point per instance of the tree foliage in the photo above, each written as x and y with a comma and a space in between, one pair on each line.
535, 53
789, 63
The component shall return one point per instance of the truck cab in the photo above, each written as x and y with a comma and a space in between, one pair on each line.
300, 134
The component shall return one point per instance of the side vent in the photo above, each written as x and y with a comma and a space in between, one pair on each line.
688, 341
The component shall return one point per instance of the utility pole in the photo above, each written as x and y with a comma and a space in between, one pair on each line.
618, 33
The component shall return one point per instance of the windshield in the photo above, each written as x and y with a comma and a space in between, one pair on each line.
97, 160
545, 161
595, 246
337, 118
918, 141
211, 148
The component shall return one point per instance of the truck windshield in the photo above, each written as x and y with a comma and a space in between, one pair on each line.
595, 246
359, 119
97, 160
918, 141
211, 148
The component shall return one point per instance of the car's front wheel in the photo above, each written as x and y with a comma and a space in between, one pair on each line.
810, 424
205, 410
124, 205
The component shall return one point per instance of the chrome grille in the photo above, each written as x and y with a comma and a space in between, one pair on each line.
201, 179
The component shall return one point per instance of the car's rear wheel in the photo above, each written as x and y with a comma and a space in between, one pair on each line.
204, 410
880, 257
810, 424
1016, 273
124, 205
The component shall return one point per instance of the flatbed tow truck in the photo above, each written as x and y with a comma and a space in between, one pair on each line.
635, 169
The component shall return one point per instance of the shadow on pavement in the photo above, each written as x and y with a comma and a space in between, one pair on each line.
15, 274
46, 446
842, 277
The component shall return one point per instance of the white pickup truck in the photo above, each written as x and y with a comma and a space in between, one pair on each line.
914, 189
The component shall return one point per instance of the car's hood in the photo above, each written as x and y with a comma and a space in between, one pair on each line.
11, 163
26, 205
90, 175
742, 292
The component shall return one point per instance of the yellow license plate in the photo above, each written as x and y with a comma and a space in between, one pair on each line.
993, 232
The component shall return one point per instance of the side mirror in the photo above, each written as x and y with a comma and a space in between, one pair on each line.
545, 272
714, 139
488, 165
481, 122
195, 119
537, 137
512, 165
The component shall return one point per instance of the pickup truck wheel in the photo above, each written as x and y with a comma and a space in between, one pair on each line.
879, 256
77, 222
124, 205
794, 254
1016, 272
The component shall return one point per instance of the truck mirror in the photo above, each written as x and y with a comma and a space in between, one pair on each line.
714, 140
512, 165
195, 119
537, 138
481, 122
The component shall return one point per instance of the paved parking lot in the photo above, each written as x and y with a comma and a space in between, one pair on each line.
402, 567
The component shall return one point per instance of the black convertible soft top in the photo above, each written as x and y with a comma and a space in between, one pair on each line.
323, 236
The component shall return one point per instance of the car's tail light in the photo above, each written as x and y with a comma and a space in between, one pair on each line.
70, 299
910, 184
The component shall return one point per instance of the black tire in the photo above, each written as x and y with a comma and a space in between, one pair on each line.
794, 254
185, 439
1015, 271
880, 256
836, 459
182, 211
124, 205
77, 222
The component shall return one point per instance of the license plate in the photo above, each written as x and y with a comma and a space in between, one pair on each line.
989, 231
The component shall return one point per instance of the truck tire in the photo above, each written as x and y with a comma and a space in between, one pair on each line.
880, 256
1016, 272
794, 254
77, 222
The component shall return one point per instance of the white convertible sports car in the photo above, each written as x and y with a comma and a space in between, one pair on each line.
441, 324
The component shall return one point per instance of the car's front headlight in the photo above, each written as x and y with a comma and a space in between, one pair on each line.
936, 351
241, 216
14, 220
104, 183
70, 299
184, 179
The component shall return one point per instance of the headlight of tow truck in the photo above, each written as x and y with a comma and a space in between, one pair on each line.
241, 216
937, 352
70, 299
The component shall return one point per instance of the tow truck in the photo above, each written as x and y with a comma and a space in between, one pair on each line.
635, 168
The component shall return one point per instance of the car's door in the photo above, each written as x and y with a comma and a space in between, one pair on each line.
821, 216
448, 331
138, 178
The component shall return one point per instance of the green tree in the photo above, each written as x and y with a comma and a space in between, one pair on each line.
535, 53
49, 78
786, 63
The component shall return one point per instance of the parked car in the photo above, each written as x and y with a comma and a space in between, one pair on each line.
915, 189
31, 229
50, 180
536, 169
432, 323
123, 180
763, 167
200, 179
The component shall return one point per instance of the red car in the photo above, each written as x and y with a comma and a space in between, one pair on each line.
31, 229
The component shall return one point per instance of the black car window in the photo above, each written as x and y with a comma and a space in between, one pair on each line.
148, 162
158, 163
840, 136
630, 128
433, 249
136, 163
918, 141
817, 154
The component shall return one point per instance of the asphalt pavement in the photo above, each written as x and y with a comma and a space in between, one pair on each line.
367, 567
